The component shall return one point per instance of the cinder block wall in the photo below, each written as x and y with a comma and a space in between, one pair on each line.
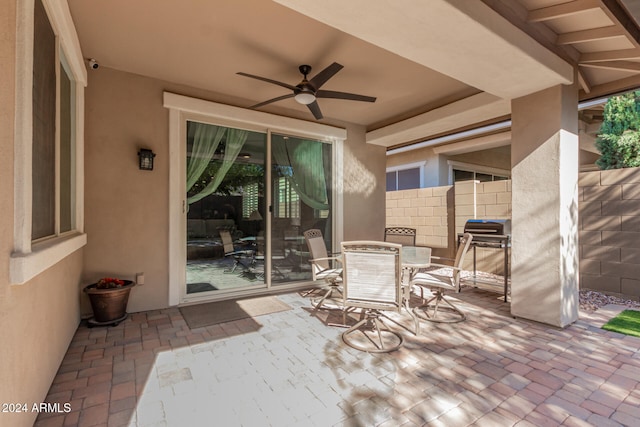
609, 220
424, 209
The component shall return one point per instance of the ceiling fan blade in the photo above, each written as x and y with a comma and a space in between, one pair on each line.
315, 109
344, 95
264, 79
321, 78
280, 98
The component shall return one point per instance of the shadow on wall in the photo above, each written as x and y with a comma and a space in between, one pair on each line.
358, 179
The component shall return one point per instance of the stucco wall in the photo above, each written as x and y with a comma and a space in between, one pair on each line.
127, 209
364, 187
610, 231
38, 318
435, 170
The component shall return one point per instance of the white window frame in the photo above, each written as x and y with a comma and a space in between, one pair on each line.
470, 167
406, 166
29, 259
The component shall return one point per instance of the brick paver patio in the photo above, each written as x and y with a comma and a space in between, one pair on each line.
289, 369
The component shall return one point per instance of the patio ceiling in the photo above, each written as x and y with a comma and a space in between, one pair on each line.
434, 70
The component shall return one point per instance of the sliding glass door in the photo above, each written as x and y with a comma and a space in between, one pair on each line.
240, 232
226, 208
301, 199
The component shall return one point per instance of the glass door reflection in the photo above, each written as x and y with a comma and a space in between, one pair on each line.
301, 198
225, 218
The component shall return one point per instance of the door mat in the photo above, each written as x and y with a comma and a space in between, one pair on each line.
627, 322
193, 288
212, 313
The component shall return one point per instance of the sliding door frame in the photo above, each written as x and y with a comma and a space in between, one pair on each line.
181, 109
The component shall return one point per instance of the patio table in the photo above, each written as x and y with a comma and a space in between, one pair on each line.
413, 259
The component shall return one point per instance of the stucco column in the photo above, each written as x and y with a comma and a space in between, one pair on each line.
544, 159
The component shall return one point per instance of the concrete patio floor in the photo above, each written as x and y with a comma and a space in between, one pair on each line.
289, 369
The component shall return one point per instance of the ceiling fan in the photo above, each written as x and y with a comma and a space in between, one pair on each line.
308, 91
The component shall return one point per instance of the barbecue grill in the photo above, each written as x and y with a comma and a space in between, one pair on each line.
490, 233
481, 228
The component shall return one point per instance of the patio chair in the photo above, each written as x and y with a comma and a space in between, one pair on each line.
231, 252
402, 235
440, 278
277, 255
321, 266
372, 282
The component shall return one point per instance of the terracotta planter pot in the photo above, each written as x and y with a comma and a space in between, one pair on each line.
109, 305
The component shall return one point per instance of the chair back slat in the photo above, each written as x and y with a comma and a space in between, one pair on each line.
404, 236
227, 241
372, 275
317, 248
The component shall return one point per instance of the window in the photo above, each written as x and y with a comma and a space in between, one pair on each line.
50, 76
405, 177
52, 171
250, 197
44, 125
66, 150
463, 175
459, 171
287, 200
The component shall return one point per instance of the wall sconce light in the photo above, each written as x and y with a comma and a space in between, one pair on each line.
146, 159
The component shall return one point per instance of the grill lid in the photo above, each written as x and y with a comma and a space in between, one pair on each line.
488, 226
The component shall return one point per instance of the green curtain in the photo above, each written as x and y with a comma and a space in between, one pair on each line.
206, 139
307, 175
234, 143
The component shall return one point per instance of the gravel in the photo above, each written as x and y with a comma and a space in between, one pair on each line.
590, 301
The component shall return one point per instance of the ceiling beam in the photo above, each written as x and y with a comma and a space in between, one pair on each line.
517, 14
614, 87
476, 144
590, 35
562, 10
610, 55
470, 110
614, 65
627, 24
584, 82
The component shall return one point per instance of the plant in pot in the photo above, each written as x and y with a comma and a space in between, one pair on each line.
109, 297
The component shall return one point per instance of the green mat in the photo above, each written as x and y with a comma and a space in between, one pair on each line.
627, 322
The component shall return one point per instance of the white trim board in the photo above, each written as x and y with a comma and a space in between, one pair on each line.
476, 144
30, 259
259, 119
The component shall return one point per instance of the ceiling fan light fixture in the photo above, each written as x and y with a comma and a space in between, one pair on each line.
305, 98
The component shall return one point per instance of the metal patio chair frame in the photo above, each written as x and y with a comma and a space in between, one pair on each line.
441, 278
372, 282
